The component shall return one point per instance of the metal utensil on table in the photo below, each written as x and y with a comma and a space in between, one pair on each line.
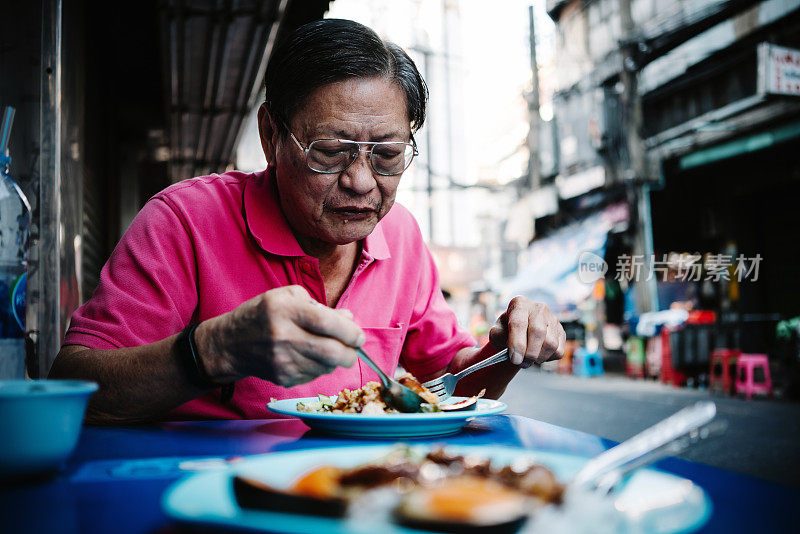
444, 386
393, 392
666, 438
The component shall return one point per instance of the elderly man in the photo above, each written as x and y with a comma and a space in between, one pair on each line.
270, 280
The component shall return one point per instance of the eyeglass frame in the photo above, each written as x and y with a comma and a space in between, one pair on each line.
412, 144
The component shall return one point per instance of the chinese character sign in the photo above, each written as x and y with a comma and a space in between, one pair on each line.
778, 70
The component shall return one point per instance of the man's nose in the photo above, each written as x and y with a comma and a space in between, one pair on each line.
359, 177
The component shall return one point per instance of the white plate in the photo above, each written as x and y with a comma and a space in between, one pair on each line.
390, 425
651, 502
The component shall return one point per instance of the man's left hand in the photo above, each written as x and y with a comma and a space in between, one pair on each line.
531, 332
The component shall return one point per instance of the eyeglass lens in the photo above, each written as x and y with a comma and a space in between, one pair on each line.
331, 156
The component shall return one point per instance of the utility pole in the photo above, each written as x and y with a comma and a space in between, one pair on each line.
534, 177
635, 168
631, 102
422, 47
448, 116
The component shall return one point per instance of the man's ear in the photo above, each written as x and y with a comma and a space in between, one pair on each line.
268, 131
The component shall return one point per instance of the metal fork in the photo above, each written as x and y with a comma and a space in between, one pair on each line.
444, 386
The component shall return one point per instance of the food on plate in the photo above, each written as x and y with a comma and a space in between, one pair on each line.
434, 490
463, 405
368, 400
532, 479
464, 503
414, 385
251, 493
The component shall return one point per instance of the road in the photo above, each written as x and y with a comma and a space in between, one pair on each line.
762, 438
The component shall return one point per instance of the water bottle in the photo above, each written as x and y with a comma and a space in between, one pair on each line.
14, 230
15, 223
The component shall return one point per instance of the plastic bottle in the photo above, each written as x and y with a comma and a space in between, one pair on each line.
15, 224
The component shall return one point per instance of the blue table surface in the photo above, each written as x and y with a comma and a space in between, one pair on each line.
115, 479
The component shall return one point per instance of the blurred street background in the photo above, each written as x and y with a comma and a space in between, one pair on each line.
760, 440
632, 163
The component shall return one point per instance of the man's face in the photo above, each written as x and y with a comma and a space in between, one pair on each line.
345, 207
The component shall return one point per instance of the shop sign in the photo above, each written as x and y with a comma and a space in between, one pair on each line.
778, 70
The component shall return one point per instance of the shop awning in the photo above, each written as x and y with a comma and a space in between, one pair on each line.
744, 145
214, 58
551, 272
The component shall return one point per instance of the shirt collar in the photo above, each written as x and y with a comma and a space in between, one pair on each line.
375, 245
269, 228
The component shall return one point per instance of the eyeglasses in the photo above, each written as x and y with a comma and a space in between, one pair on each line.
330, 156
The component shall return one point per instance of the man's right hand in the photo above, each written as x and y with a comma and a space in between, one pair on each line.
282, 335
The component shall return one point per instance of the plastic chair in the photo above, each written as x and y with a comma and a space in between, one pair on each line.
722, 371
752, 375
586, 363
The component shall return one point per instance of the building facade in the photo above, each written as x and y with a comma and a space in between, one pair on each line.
689, 111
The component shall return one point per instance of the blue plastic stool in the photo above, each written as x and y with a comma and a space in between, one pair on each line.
587, 363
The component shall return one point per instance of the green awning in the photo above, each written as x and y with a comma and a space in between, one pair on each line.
744, 145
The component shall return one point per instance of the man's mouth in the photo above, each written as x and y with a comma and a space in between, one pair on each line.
353, 213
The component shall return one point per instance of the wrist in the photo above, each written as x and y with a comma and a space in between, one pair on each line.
188, 359
213, 359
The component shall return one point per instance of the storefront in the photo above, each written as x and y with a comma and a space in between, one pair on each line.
115, 101
746, 204
724, 136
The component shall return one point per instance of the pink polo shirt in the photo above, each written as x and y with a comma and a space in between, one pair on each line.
203, 246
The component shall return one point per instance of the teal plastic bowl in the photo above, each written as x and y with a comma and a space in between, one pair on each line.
40, 421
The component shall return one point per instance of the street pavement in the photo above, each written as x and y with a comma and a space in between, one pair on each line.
762, 438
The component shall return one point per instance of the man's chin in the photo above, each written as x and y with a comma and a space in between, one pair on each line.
349, 231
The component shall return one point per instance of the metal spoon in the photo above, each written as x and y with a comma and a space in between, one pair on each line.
666, 438
393, 392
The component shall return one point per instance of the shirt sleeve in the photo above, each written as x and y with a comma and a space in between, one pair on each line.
147, 289
434, 335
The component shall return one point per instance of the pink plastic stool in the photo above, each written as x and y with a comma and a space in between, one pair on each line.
752, 375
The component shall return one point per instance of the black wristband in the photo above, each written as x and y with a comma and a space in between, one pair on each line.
186, 351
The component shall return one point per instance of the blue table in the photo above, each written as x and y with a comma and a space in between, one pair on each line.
115, 479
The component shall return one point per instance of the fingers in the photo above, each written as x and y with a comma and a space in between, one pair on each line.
286, 336
518, 318
292, 368
534, 334
302, 356
562, 344
325, 351
537, 338
549, 343
324, 321
545, 336
498, 333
